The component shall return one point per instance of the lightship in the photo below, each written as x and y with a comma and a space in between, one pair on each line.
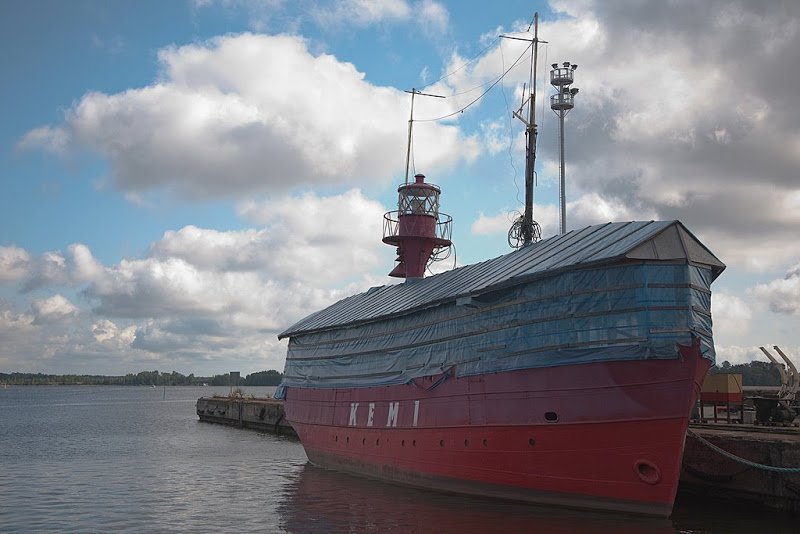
563, 372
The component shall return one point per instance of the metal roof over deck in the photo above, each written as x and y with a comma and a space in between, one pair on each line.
593, 245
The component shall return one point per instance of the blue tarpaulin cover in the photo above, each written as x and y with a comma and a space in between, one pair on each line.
622, 291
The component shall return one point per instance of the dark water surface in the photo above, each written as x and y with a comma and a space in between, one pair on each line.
100, 459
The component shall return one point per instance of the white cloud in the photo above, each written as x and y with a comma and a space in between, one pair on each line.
431, 16
50, 269
592, 208
495, 136
306, 238
105, 331
55, 139
434, 17
646, 134
732, 315
673, 120
587, 210
170, 288
495, 224
113, 45
54, 309
200, 295
14, 262
84, 266
216, 126
11, 321
15, 329
546, 215
53, 268
362, 12
782, 295
237, 301
259, 12
684, 131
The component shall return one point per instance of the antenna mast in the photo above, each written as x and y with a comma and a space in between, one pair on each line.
530, 229
413, 92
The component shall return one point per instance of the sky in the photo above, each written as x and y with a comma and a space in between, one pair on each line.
183, 180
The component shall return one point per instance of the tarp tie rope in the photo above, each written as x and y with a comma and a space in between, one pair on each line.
442, 378
740, 459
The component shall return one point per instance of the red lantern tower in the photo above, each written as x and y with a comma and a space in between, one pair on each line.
417, 228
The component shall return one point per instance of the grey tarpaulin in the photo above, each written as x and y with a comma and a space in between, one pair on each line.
614, 298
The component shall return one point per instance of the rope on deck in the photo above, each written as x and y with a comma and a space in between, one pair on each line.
740, 459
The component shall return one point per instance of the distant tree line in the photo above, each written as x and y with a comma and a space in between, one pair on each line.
755, 373
144, 378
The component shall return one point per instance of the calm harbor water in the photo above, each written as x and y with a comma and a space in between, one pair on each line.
99, 459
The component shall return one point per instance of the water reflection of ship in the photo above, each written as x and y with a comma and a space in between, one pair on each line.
328, 502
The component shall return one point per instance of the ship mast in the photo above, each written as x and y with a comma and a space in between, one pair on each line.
531, 132
413, 92
530, 229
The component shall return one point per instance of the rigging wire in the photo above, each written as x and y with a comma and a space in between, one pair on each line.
510, 129
482, 94
472, 60
413, 160
442, 255
544, 98
481, 86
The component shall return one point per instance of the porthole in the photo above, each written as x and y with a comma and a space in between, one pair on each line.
551, 417
531, 442
414, 443
363, 441
403, 443
647, 471
377, 442
486, 443
441, 443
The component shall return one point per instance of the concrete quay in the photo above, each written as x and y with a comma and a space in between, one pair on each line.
265, 415
709, 473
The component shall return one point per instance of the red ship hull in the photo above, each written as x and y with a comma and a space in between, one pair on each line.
605, 435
